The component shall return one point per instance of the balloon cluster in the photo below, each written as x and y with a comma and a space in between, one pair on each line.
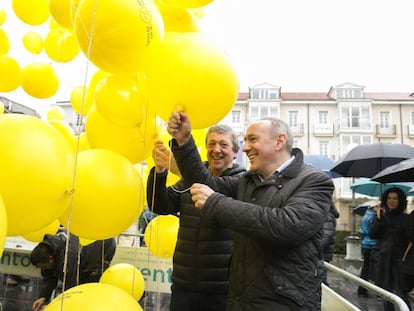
152, 58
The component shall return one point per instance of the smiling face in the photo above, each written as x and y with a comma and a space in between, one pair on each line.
261, 146
220, 153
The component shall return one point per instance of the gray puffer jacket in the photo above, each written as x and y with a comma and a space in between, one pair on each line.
278, 223
202, 254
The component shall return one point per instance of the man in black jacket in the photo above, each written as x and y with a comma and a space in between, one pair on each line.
49, 256
277, 210
202, 253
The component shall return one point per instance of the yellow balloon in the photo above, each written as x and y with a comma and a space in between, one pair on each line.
63, 11
187, 67
32, 12
121, 100
61, 45
3, 225
125, 276
187, 3
178, 19
4, 42
117, 35
81, 99
85, 242
94, 297
3, 17
135, 143
107, 197
10, 77
33, 42
55, 113
64, 128
198, 12
160, 235
40, 80
36, 165
83, 142
37, 236
96, 78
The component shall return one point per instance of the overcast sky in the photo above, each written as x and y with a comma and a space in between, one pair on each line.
300, 45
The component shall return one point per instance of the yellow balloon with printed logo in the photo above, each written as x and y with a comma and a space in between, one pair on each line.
118, 35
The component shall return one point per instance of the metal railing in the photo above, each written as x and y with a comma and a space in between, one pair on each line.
398, 302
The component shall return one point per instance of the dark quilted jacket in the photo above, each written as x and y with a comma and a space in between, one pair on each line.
202, 254
278, 224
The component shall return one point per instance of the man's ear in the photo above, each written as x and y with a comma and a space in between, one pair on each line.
280, 142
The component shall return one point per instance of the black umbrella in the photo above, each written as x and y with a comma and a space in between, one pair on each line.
369, 159
402, 171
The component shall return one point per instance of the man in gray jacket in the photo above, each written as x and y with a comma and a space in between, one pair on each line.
277, 211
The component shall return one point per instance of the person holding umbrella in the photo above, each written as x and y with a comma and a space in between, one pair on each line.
390, 229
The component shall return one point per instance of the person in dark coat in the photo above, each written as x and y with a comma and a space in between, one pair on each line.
202, 254
390, 229
277, 210
49, 256
329, 237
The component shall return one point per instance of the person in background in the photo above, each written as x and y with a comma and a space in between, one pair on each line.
49, 256
277, 210
367, 246
390, 229
329, 237
202, 254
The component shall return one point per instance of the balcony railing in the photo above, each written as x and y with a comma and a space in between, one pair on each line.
297, 130
390, 131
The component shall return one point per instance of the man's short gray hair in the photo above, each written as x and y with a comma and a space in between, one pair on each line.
225, 129
278, 127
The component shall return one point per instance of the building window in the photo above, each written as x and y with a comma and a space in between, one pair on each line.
323, 148
235, 116
293, 119
384, 118
264, 94
260, 111
412, 118
323, 117
355, 117
348, 93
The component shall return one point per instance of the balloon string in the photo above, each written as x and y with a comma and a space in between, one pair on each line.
71, 192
